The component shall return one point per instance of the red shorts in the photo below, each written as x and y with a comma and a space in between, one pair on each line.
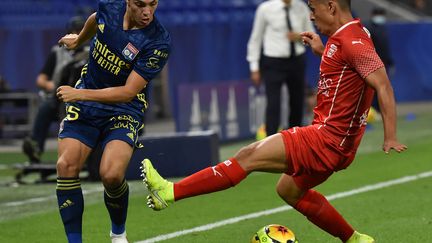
313, 155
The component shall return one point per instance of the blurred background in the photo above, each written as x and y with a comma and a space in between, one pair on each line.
206, 86
206, 83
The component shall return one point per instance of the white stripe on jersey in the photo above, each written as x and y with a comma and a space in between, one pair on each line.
334, 96
352, 120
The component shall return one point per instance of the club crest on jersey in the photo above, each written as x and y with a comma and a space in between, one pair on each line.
363, 118
332, 50
130, 52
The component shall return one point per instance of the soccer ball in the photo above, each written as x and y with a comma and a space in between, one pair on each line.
274, 233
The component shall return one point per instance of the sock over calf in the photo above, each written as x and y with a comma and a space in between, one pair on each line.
319, 211
116, 202
71, 204
216, 178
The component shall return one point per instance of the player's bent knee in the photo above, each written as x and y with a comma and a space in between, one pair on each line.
67, 168
245, 154
254, 158
290, 199
288, 193
111, 180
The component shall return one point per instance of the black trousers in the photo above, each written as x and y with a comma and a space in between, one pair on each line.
276, 72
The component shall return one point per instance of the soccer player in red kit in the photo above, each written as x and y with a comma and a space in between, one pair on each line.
350, 71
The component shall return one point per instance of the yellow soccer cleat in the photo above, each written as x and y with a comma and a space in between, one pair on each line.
161, 191
360, 238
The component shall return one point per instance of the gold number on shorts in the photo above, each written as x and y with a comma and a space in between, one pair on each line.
72, 113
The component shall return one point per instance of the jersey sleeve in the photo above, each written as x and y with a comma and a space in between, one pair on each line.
150, 63
361, 55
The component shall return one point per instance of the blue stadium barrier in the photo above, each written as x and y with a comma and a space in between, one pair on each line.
412, 56
176, 155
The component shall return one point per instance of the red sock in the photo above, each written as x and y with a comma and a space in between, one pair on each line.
319, 211
212, 179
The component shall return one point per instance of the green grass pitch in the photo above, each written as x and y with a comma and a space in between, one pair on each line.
399, 212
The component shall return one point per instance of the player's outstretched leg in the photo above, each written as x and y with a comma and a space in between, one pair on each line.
360, 238
161, 191
211, 179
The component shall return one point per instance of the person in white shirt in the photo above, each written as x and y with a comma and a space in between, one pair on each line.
276, 56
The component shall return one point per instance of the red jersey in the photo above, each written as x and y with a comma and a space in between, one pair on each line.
344, 98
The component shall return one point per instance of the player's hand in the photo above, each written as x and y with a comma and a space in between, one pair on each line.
294, 36
314, 41
70, 41
395, 145
256, 77
68, 94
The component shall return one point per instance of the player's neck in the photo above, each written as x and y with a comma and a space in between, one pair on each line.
342, 19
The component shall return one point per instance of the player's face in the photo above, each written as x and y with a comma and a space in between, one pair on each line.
322, 15
141, 11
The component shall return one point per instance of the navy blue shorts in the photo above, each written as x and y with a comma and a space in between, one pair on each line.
91, 125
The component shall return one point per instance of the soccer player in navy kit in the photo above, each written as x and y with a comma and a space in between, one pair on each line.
128, 49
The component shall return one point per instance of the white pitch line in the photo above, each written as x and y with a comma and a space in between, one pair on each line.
234, 220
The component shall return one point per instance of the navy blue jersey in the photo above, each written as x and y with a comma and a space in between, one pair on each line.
115, 52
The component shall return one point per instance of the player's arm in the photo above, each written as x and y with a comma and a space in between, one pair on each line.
72, 41
380, 82
120, 94
313, 40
